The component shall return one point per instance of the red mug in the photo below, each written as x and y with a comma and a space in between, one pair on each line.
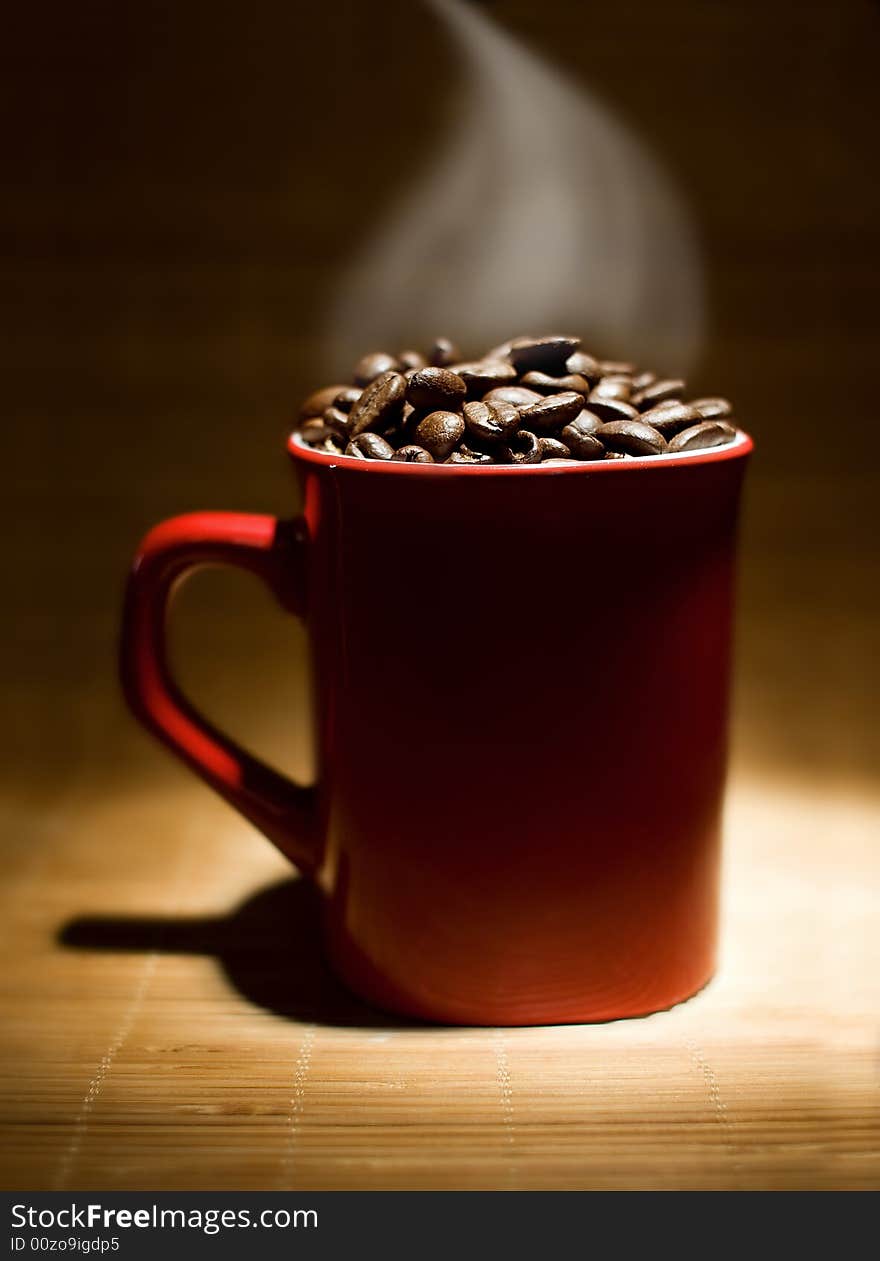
521, 685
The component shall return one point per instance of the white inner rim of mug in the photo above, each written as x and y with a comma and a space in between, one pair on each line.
669, 457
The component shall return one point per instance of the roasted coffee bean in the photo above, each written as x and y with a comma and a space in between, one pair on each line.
545, 384
443, 353
583, 365
514, 394
524, 448
587, 420
550, 449
580, 439
709, 433
631, 437
320, 436
370, 446
486, 375
643, 379
336, 420
712, 408
542, 354
613, 387
346, 399
435, 389
667, 418
409, 359
411, 454
553, 411
319, 400
657, 392
468, 455
380, 406
439, 433
490, 422
373, 366
608, 409
572, 408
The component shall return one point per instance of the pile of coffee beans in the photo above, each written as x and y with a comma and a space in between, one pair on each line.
532, 400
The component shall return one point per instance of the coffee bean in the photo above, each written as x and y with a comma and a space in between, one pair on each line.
657, 392
631, 437
514, 394
346, 399
643, 379
439, 433
572, 408
380, 406
709, 433
550, 449
443, 353
320, 436
583, 365
524, 448
667, 418
435, 389
613, 387
580, 439
373, 366
609, 409
545, 384
712, 408
319, 400
370, 446
553, 411
469, 455
587, 420
336, 420
411, 454
486, 375
490, 422
542, 354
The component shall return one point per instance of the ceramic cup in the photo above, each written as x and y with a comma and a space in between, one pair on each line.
521, 700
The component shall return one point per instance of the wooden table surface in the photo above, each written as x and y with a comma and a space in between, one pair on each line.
168, 1024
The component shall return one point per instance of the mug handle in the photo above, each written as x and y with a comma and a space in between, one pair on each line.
274, 550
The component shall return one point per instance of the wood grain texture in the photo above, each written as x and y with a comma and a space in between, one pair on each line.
168, 1024
183, 192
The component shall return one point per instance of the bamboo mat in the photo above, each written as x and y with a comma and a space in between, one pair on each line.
167, 1024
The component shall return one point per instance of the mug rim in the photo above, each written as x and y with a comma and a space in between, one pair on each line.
741, 446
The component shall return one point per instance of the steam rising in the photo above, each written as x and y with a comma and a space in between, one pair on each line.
542, 214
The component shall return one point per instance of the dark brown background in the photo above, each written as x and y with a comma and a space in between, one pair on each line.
184, 184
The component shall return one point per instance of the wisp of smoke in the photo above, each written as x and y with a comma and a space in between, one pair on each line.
542, 213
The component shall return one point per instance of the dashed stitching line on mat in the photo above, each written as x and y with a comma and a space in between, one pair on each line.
105, 1064
505, 1088
297, 1105
719, 1106
96, 1085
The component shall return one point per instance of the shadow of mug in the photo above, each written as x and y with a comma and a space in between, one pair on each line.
268, 948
